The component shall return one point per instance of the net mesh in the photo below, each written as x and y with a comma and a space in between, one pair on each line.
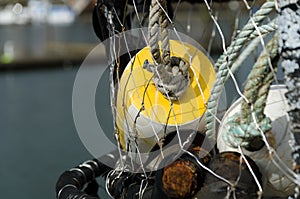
234, 34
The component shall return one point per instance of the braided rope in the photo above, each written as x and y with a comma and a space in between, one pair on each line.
163, 21
264, 30
258, 83
243, 36
226, 60
158, 29
241, 127
153, 30
171, 76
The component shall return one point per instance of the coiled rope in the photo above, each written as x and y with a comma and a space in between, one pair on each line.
242, 130
226, 60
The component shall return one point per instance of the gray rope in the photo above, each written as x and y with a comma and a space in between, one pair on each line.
172, 84
226, 60
153, 30
171, 75
158, 30
163, 21
242, 130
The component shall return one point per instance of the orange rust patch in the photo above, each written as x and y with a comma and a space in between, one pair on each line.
180, 179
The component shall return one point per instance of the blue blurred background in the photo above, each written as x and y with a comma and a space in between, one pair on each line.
38, 64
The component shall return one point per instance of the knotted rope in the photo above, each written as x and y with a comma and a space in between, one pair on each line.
226, 60
171, 76
242, 130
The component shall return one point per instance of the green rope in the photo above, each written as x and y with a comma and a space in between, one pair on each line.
259, 82
244, 35
264, 31
226, 60
242, 129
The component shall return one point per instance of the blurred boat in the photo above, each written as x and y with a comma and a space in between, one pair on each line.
37, 12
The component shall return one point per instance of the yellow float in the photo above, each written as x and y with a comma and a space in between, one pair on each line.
144, 115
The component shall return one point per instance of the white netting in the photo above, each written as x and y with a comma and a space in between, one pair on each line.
235, 34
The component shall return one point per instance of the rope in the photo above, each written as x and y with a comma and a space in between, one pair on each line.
243, 36
171, 76
153, 30
241, 127
158, 28
258, 83
264, 30
226, 60
163, 21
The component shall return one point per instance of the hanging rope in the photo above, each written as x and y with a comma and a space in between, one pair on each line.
163, 21
153, 30
225, 62
259, 82
242, 130
171, 76
264, 30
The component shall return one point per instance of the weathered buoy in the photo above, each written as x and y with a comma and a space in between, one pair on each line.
232, 167
275, 183
144, 115
183, 177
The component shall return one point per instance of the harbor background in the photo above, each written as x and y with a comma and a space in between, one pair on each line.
39, 63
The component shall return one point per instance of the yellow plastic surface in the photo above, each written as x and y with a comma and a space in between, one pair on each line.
136, 90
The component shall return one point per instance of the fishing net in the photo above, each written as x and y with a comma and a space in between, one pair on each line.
198, 99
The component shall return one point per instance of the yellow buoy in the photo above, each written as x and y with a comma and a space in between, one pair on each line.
144, 114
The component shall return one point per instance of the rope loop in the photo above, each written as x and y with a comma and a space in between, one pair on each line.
243, 129
245, 135
171, 76
226, 60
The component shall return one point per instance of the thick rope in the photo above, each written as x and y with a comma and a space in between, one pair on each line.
264, 30
258, 83
289, 48
243, 36
171, 75
241, 127
226, 60
158, 30
153, 30
165, 46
